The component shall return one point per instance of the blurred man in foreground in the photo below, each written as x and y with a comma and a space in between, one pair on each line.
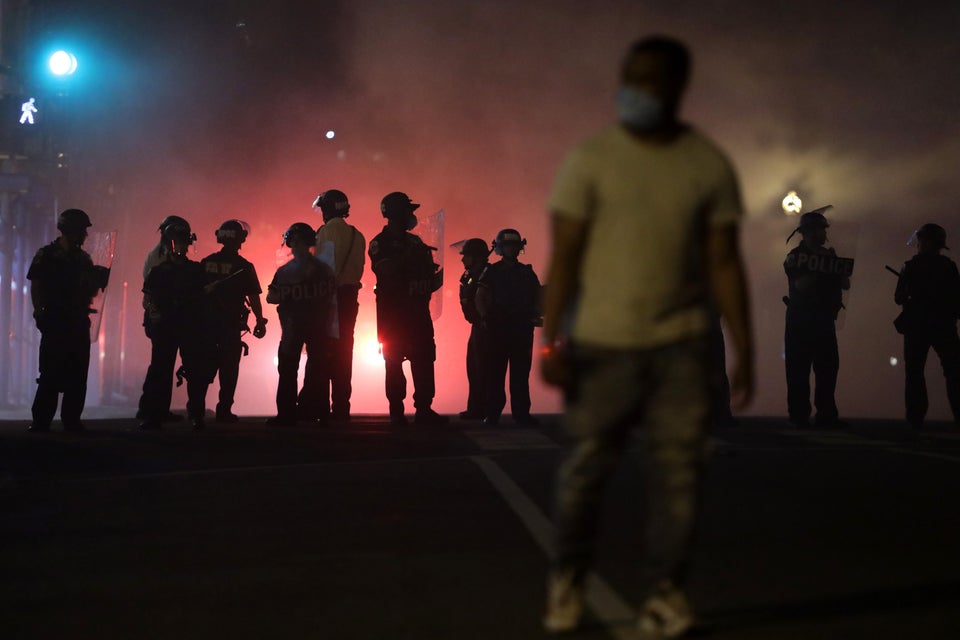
645, 217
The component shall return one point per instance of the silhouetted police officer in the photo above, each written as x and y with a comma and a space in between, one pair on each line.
178, 318
235, 294
929, 290
163, 360
475, 259
816, 287
63, 281
304, 292
349, 250
508, 299
406, 278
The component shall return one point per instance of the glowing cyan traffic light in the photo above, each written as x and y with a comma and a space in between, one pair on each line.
62, 63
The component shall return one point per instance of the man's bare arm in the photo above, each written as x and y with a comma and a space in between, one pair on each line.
729, 288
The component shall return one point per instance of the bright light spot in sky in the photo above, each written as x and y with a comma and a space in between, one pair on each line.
893, 361
330, 134
63, 63
791, 204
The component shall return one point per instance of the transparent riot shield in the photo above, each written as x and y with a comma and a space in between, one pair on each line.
100, 245
430, 230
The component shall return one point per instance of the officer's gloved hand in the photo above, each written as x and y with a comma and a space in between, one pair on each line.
437, 281
260, 329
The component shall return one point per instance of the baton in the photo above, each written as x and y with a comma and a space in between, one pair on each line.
891, 270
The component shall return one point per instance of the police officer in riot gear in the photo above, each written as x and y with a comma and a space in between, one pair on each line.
508, 301
349, 256
406, 278
162, 360
63, 281
178, 318
929, 291
304, 292
475, 254
816, 285
161, 252
235, 294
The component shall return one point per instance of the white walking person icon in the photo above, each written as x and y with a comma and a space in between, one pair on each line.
28, 110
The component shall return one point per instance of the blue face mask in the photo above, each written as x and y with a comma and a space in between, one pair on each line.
639, 109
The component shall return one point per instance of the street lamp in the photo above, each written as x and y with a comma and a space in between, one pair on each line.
791, 204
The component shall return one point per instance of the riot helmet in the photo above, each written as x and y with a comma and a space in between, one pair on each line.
932, 232
233, 230
475, 247
812, 220
299, 231
73, 220
506, 237
332, 204
397, 205
175, 227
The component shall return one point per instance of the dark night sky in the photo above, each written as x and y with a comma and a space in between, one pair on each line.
469, 106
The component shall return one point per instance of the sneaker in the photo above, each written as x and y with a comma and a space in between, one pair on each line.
666, 614
74, 427
491, 420
429, 417
227, 418
150, 424
471, 415
564, 603
38, 428
197, 424
526, 421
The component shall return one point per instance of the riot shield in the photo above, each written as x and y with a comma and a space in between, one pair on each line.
844, 237
328, 255
430, 230
100, 245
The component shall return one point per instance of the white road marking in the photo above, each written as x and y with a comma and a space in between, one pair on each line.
607, 605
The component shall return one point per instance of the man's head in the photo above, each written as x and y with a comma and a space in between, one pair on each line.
332, 204
653, 78
398, 208
300, 237
508, 243
931, 238
233, 233
813, 228
474, 253
72, 225
175, 233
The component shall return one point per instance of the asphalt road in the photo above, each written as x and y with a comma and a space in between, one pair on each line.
367, 531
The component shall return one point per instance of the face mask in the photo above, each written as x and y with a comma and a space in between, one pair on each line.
639, 109
412, 222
